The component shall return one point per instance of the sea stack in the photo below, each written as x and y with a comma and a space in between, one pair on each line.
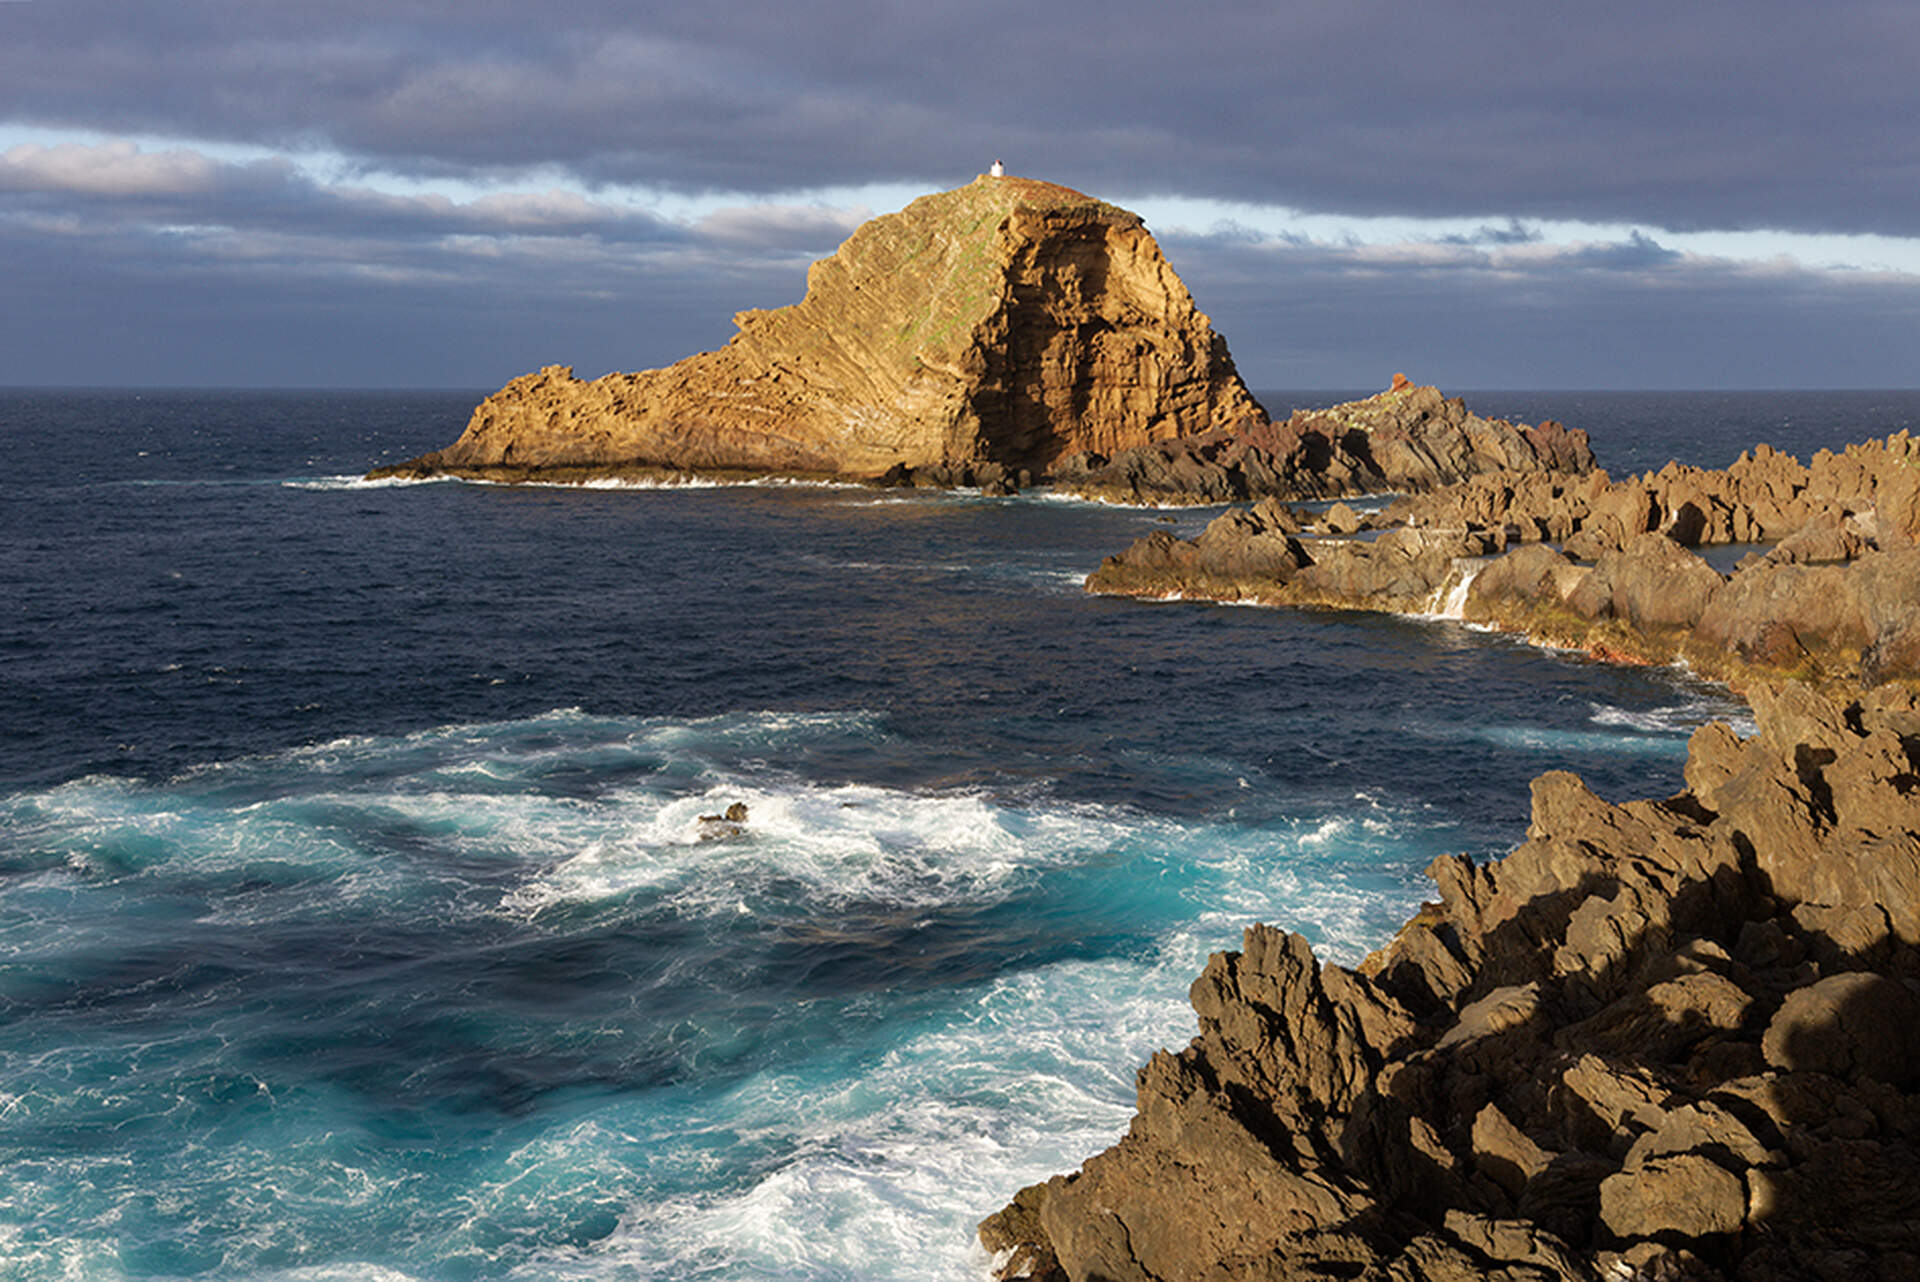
996, 328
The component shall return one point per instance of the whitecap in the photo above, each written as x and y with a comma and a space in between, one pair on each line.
1677, 718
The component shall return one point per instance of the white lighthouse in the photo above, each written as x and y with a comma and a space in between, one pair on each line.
997, 170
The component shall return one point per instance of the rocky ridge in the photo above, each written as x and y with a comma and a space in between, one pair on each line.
1408, 439
1835, 602
1662, 1040
999, 326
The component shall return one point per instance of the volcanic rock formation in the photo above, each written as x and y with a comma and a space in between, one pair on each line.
1665, 1041
999, 326
1835, 603
1408, 439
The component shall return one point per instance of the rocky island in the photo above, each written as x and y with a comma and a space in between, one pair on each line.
1004, 333
978, 334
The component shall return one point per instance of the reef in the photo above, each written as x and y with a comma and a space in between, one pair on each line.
1663, 1040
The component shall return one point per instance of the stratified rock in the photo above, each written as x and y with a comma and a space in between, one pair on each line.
1008, 322
1670, 1040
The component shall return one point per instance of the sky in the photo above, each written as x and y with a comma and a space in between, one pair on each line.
448, 193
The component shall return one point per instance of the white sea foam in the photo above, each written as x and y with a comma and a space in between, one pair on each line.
885, 1171
873, 1161
350, 482
1676, 718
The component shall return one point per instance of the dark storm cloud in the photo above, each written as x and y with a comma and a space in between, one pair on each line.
1758, 114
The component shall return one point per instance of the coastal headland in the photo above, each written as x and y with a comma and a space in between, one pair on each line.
1672, 1039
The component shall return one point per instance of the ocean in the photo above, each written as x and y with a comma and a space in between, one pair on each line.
356, 920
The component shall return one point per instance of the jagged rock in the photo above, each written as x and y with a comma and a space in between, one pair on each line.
1008, 322
1834, 509
1836, 624
1686, 1196
1666, 1039
1341, 519
1407, 438
1853, 1025
1504, 1153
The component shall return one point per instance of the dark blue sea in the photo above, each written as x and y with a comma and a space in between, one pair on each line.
354, 917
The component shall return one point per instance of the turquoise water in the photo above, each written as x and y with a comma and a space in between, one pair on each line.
356, 921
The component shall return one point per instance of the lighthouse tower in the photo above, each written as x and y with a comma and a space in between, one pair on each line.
997, 170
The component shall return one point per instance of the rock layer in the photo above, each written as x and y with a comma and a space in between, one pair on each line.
1661, 1040
1008, 322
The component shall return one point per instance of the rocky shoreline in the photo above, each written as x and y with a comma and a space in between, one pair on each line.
1835, 602
1670, 1039
1664, 1040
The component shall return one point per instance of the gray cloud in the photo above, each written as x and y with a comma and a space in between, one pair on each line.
169, 265
1626, 315
1766, 113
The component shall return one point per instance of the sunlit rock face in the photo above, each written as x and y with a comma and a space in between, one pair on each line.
1007, 322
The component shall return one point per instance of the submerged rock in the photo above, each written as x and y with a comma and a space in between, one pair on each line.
1666, 1039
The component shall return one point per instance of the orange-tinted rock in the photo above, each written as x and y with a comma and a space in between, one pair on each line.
1008, 321
1670, 1039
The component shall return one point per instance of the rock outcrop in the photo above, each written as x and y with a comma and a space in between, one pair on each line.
1663, 1040
1835, 603
999, 326
1869, 493
1408, 439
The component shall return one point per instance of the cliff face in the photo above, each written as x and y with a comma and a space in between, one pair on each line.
1667, 1041
1008, 322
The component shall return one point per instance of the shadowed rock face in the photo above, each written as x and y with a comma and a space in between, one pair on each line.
1660, 1040
1008, 321
1408, 438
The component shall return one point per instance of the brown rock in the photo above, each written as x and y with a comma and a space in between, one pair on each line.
1504, 1153
1008, 321
1687, 1195
1853, 1026
1341, 519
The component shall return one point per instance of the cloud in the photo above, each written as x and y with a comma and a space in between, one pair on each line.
116, 168
806, 227
1757, 114
1512, 234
